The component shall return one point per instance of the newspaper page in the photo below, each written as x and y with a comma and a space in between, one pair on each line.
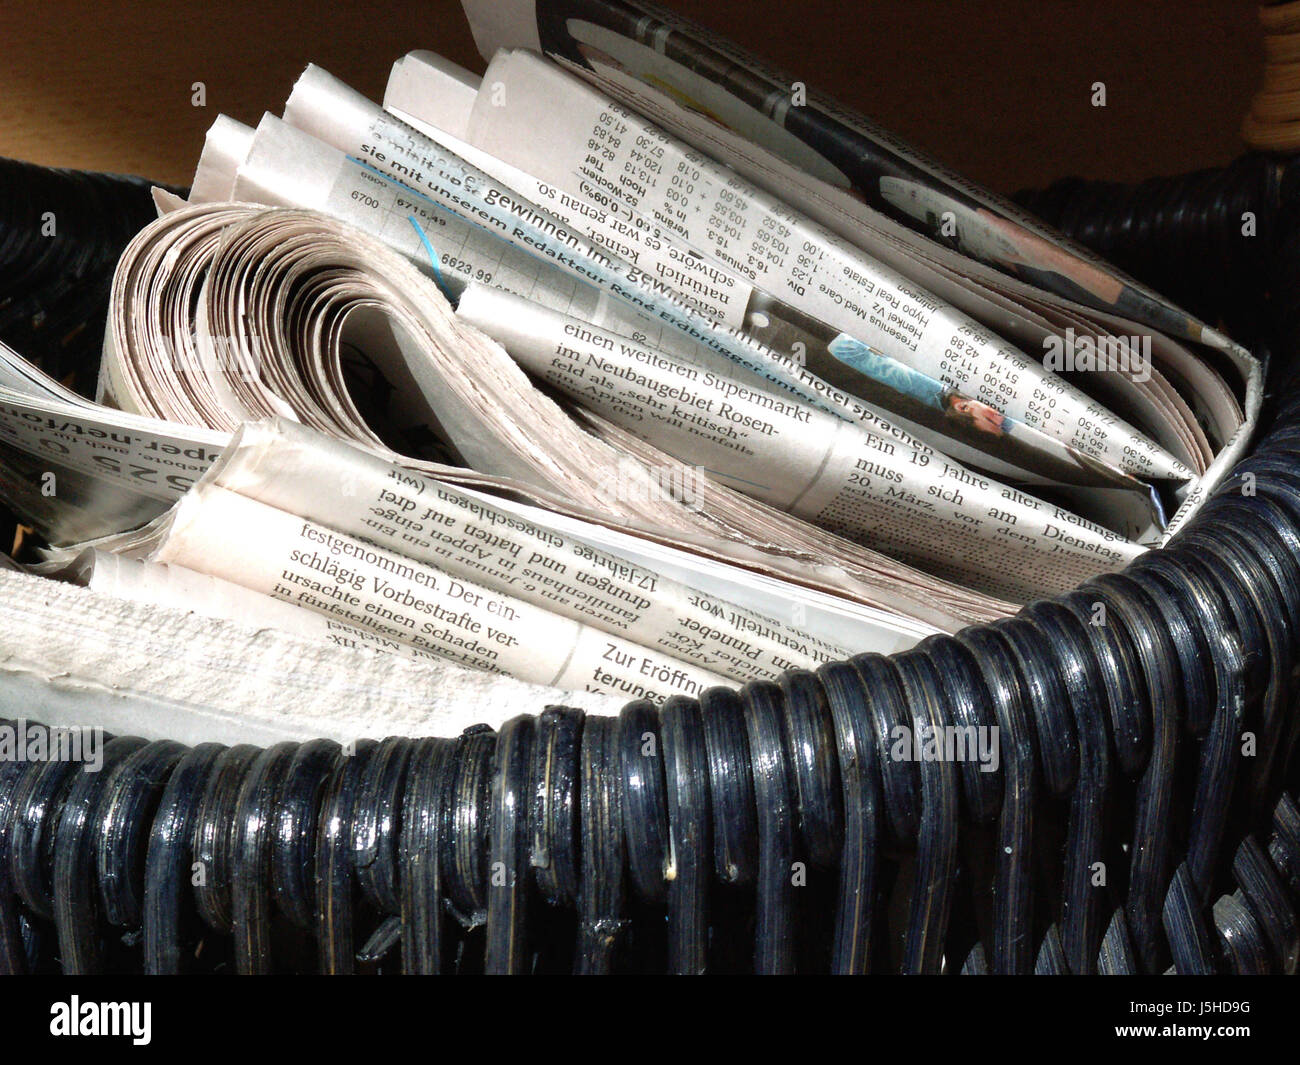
795, 286
650, 53
863, 486
935, 414
139, 669
180, 588
75, 471
809, 591
471, 538
227, 535
695, 85
329, 110
186, 589
278, 165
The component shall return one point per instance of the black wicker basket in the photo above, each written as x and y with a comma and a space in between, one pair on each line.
1145, 815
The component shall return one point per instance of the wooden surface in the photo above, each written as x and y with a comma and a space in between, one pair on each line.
1000, 89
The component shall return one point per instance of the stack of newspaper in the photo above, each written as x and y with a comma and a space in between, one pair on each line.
626, 369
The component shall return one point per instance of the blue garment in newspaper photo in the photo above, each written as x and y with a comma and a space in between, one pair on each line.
894, 375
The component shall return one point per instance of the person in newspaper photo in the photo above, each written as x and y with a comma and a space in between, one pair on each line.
978, 415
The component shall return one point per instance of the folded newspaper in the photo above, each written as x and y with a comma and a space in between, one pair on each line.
626, 369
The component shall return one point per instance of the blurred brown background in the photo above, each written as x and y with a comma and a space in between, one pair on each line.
1000, 89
